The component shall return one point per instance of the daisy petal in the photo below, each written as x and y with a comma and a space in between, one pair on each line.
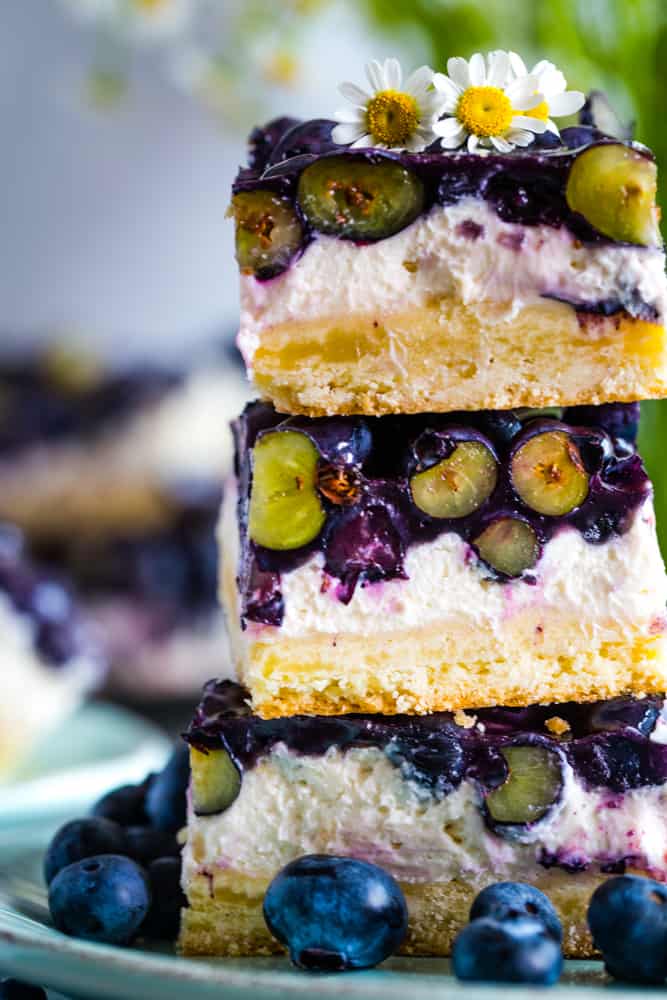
447, 127
567, 103
524, 92
419, 82
543, 66
520, 137
536, 125
363, 142
473, 143
393, 74
517, 64
457, 69
455, 139
347, 134
477, 70
349, 115
499, 67
446, 87
354, 93
375, 75
552, 127
502, 145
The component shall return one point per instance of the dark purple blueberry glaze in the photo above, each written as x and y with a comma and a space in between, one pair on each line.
367, 542
607, 744
44, 599
525, 187
174, 571
35, 408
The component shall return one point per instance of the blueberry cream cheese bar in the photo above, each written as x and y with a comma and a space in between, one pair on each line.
558, 795
50, 660
376, 281
438, 562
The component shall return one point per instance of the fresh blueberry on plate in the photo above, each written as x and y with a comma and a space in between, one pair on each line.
335, 913
15, 989
125, 805
82, 838
517, 951
628, 921
164, 917
514, 900
165, 798
103, 899
145, 844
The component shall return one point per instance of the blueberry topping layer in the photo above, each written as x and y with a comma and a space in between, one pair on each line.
41, 402
512, 755
363, 490
43, 599
370, 194
173, 571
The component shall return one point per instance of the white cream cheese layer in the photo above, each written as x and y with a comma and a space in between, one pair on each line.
436, 256
621, 581
356, 803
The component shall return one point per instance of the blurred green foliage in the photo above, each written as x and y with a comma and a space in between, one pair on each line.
619, 46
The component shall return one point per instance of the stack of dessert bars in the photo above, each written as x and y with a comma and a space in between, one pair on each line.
440, 564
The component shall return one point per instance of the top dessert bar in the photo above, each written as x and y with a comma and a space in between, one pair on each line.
378, 281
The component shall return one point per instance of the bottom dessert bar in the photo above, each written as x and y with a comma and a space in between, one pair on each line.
559, 796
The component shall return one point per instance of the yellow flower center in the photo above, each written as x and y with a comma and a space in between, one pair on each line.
392, 117
541, 112
485, 111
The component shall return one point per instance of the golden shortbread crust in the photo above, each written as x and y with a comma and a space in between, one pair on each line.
450, 356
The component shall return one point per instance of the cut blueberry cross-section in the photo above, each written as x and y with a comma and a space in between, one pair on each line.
533, 785
359, 199
268, 232
285, 509
457, 472
509, 545
216, 781
548, 472
614, 186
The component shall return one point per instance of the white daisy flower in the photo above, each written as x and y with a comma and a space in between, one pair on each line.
137, 20
394, 115
557, 99
482, 98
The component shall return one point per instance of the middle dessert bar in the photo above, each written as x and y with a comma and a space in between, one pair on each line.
442, 562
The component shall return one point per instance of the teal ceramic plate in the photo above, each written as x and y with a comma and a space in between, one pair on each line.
99, 747
31, 949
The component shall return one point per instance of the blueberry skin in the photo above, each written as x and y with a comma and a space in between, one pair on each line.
145, 844
515, 900
517, 951
125, 805
165, 798
14, 989
164, 917
103, 899
627, 917
335, 913
82, 838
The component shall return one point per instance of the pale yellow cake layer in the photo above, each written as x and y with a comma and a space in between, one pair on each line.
540, 657
228, 924
449, 356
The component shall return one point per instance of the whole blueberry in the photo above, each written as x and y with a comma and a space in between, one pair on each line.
627, 917
104, 899
517, 951
146, 844
125, 805
514, 900
164, 917
14, 989
335, 913
165, 799
82, 838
